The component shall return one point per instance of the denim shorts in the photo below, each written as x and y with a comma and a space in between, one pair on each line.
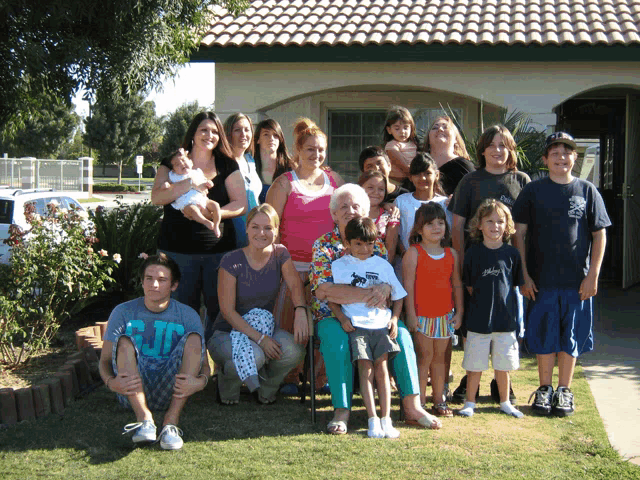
558, 321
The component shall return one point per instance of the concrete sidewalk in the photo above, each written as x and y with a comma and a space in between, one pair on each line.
613, 368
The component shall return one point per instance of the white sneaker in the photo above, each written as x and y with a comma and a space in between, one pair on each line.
388, 428
375, 429
144, 431
170, 438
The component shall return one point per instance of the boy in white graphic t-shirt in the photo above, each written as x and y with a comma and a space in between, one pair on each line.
372, 331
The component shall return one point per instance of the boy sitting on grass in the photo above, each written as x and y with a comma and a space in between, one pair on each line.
372, 331
153, 354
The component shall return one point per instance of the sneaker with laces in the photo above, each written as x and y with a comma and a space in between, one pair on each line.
171, 438
562, 402
542, 401
460, 393
144, 431
495, 393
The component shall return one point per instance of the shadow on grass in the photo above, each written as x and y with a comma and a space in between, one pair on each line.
93, 425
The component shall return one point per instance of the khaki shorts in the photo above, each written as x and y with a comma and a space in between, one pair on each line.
502, 346
370, 345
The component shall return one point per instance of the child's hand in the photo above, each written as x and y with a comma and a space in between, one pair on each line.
529, 288
393, 328
588, 286
347, 326
457, 320
412, 323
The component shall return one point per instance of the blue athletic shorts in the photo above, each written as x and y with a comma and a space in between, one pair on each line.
558, 321
158, 376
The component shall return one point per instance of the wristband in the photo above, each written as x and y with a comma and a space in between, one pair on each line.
261, 338
206, 379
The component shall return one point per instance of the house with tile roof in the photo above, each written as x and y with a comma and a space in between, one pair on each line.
571, 64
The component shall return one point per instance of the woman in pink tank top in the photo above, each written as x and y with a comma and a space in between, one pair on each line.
301, 199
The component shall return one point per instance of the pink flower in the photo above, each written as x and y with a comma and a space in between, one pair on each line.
143, 256
89, 250
103, 253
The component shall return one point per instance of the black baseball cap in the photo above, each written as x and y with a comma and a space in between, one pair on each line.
560, 137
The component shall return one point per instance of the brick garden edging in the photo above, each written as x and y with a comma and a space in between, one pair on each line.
77, 377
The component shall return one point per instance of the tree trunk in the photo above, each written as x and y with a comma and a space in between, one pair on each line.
119, 173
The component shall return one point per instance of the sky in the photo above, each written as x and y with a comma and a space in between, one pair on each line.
195, 81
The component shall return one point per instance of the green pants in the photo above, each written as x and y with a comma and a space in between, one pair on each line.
334, 346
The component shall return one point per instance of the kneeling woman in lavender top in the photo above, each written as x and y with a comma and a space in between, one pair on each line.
248, 283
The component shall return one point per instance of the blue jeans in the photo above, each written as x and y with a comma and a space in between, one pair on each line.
198, 278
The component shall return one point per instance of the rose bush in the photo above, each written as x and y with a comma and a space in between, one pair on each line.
52, 273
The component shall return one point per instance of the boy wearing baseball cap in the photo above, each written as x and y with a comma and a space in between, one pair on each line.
563, 219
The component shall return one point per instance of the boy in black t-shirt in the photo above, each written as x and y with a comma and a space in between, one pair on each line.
491, 270
564, 221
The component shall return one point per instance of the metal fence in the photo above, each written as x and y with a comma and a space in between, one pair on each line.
39, 173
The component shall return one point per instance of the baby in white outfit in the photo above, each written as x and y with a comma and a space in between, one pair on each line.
194, 204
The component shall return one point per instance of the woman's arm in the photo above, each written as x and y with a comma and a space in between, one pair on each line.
164, 192
409, 265
375, 296
227, 297
277, 196
237, 205
337, 179
300, 319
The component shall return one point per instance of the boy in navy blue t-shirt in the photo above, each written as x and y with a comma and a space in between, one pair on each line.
563, 219
492, 268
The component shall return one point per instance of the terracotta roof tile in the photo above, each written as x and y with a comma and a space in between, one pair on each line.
367, 22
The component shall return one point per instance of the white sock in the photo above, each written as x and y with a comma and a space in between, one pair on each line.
467, 410
375, 429
388, 428
509, 409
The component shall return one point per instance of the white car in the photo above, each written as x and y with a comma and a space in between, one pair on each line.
12, 203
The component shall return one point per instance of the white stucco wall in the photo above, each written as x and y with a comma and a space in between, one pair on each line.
288, 90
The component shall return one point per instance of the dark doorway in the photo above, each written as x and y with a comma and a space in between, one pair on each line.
603, 116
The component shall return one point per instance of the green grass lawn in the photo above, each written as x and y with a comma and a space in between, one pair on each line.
279, 441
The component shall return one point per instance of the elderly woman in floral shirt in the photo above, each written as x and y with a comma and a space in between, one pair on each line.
349, 201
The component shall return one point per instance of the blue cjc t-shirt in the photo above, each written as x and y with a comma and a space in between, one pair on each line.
560, 220
155, 334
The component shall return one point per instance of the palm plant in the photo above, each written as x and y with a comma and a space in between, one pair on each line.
529, 141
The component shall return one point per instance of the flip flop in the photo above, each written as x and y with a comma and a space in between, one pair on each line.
424, 422
337, 427
442, 410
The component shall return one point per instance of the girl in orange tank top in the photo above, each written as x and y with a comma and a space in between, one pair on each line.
434, 302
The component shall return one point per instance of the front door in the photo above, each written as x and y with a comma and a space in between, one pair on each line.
631, 194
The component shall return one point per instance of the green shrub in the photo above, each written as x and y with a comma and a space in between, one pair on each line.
54, 270
114, 187
130, 229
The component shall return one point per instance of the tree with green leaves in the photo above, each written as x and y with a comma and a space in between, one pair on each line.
45, 135
175, 127
120, 129
120, 46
